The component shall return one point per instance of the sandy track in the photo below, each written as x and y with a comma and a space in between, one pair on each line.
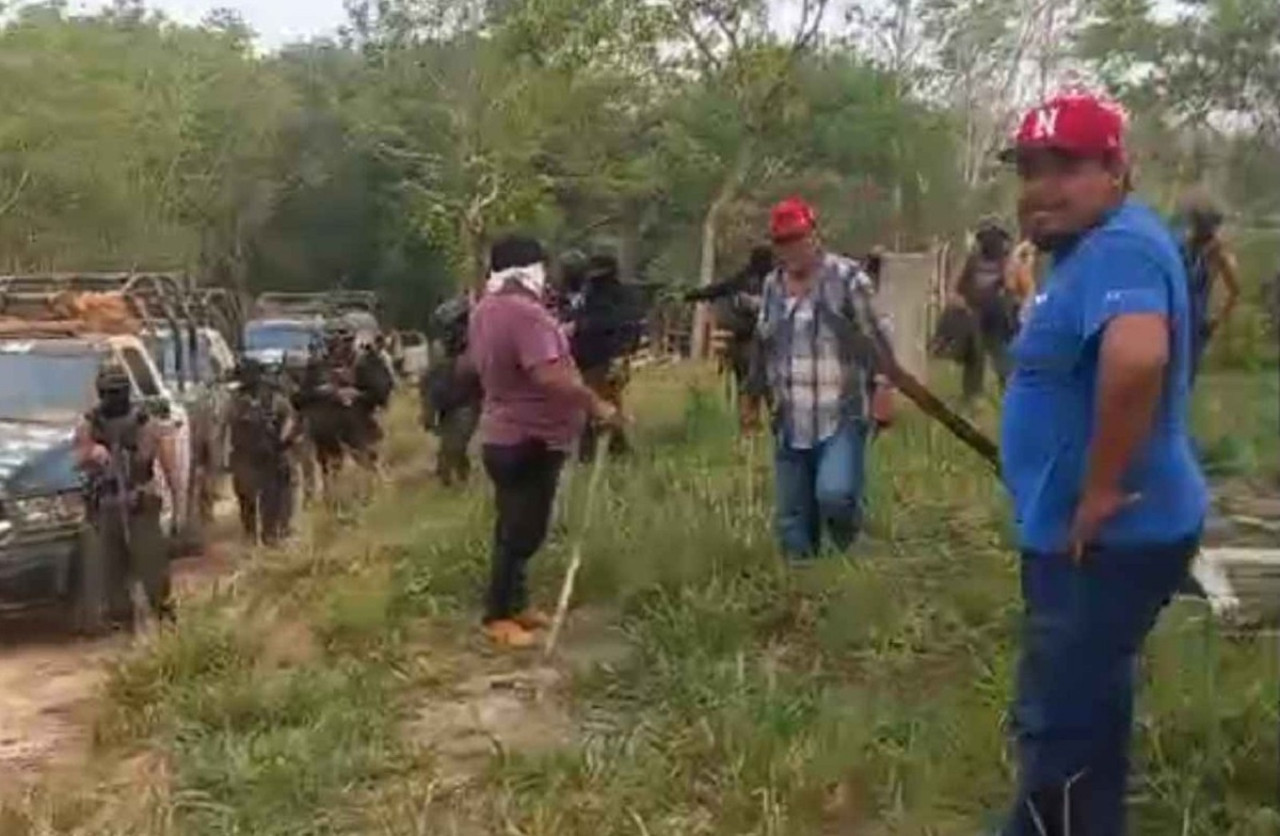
50, 679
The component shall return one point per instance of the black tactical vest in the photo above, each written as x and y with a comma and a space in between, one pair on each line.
123, 436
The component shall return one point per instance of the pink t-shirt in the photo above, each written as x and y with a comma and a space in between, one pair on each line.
510, 334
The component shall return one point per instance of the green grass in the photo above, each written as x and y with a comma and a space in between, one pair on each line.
858, 696
1237, 420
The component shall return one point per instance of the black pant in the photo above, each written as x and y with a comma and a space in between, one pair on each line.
264, 491
456, 426
991, 341
118, 551
524, 478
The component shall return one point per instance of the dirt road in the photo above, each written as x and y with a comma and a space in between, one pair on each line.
49, 679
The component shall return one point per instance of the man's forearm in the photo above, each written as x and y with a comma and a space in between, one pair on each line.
1231, 286
169, 468
564, 382
1129, 389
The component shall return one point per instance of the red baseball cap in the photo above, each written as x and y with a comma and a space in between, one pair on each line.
792, 219
1079, 124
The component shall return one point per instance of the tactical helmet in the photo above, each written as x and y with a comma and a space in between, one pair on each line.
602, 266
250, 369
572, 260
991, 236
1202, 212
113, 377
573, 270
990, 224
761, 261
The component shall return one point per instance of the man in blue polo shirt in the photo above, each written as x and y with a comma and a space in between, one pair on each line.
1109, 498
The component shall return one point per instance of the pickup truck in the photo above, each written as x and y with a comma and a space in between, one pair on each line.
46, 387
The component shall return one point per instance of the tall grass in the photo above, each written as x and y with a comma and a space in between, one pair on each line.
858, 696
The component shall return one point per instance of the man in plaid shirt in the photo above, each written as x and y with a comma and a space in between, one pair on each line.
824, 390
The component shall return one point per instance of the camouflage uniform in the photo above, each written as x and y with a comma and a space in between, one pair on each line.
323, 415
607, 326
374, 383
303, 383
736, 305
123, 540
450, 398
261, 472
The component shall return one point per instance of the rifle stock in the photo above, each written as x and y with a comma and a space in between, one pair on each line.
120, 475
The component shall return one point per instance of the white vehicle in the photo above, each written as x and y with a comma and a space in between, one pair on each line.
203, 387
415, 354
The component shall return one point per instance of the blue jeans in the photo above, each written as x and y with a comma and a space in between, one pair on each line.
1073, 717
821, 487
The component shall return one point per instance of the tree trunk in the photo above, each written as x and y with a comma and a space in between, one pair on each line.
629, 243
710, 229
474, 261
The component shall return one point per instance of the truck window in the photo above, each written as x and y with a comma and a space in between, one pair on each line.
45, 387
140, 370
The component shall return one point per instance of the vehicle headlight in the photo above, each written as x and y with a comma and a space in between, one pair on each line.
54, 509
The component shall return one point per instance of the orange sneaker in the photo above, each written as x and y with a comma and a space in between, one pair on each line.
507, 633
533, 619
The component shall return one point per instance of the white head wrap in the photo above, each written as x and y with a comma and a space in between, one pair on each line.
532, 277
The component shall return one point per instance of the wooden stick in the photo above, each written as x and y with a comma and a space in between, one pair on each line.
575, 559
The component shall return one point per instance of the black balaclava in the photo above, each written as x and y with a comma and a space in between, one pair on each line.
250, 373
602, 269
115, 393
993, 242
1204, 224
759, 265
573, 271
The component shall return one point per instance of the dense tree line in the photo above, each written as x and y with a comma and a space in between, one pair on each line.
388, 156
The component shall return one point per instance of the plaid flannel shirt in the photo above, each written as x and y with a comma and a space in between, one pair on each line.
815, 379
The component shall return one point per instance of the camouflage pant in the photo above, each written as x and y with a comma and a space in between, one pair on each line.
609, 382
336, 431
456, 427
264, 492
738, 363
116, 553
303, 455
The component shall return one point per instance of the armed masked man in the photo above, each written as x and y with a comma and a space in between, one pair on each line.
737, 309
1209, 263
982, 289
449, 394
117, 447
604, 329
262, 428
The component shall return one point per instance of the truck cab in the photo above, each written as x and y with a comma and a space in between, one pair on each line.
201, 381
278, 341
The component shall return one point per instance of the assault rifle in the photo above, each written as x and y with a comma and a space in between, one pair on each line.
113, 477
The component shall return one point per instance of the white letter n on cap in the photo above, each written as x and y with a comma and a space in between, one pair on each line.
1046, 124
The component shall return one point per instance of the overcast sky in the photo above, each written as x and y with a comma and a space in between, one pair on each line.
281, 21
276, 21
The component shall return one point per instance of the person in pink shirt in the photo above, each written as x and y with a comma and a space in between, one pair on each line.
535, 407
